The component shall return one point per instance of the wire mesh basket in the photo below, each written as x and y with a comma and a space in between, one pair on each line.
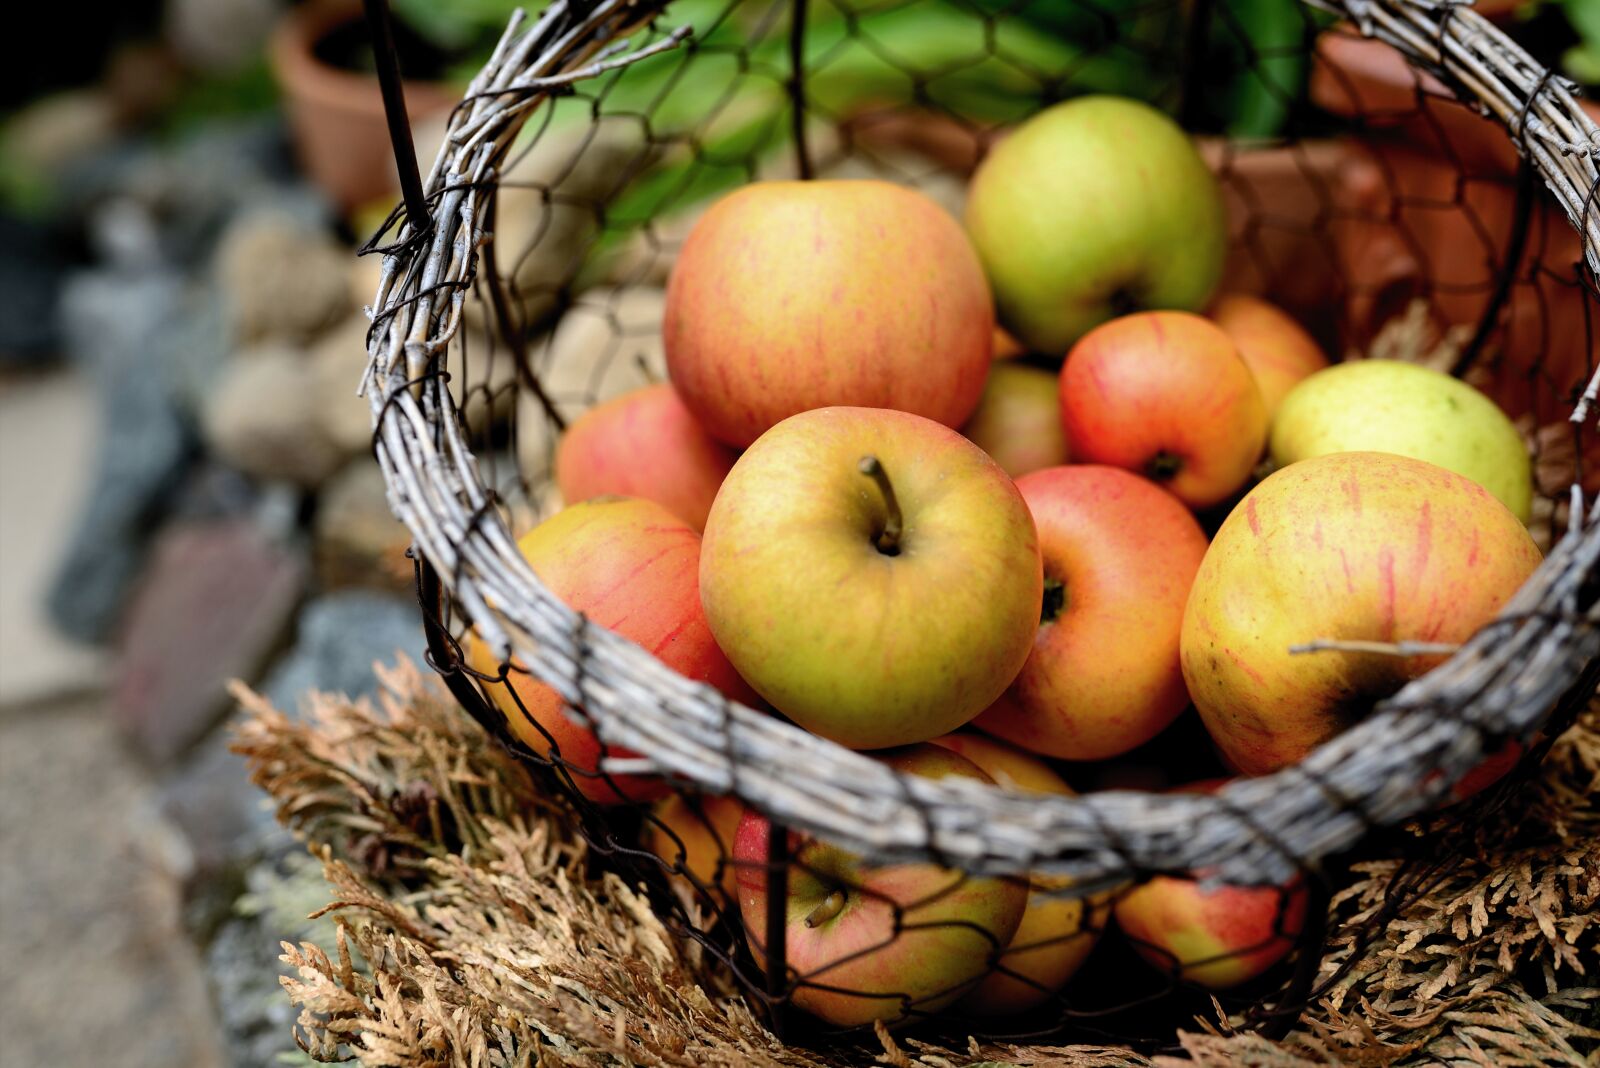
1399, 176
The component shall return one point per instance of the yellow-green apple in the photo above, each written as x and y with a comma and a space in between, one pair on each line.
643, 444
694, 835
1056, 932
884, 942
789, 296
1018, 419
873, 574
1352, 546
1119, 556
1092, 209
1399, 407
633, 567
1277, 349
1165, 394
1215, 938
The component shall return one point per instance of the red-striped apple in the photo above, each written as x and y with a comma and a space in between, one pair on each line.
879, 942
630, 566
643, 444
789, 296
1215, 938
1277, 349
1165, 394
1119, 556
1355, 546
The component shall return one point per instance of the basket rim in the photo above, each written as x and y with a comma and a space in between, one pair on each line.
1502, 684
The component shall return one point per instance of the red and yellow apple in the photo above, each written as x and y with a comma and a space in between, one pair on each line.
1277, 349
630, 566
1018, 419
1056, 932
1090, 209
694, 834
1356, 546
643, 444
873, 574
1215, 938
885, 942
1165, 394
789, 296
1119, 556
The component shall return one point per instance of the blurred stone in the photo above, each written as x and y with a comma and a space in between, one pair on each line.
242, 958
32, 268
215, 491
55, 130
536, 438
337, 360
215, 602
339, 635
219, 35
48, 435
197, 345
261, 418
605, 345
98, 969
113, 324
224, 818
358, 541
281, 278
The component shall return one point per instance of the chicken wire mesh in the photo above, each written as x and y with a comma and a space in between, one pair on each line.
1364, 196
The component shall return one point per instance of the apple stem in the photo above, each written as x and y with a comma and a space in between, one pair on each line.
1164, 466
830, 907
1055, 599
888, 540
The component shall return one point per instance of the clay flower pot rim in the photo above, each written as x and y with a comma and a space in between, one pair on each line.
295, 61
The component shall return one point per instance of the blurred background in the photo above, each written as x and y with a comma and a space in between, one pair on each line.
186, 489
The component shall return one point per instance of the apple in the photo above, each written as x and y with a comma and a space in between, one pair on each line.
1215, 938
1018, 419
630, 566
873, 574
694, 834
1165, 394
789, 296
1057, 932
871, 943
1399, 407
1119, 556
1354, 546
1277, 349
1094, 208
643, 444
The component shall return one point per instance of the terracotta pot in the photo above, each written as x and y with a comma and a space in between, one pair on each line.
1427, 211
336, 116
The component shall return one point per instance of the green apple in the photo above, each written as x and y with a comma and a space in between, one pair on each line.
1095, 208
873, 574
879, 942
1398, 407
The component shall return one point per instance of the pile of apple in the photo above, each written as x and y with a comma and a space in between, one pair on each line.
847, 507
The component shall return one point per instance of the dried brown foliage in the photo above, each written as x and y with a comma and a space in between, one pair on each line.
473, 931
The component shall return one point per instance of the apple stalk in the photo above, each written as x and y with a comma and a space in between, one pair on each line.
888, 539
